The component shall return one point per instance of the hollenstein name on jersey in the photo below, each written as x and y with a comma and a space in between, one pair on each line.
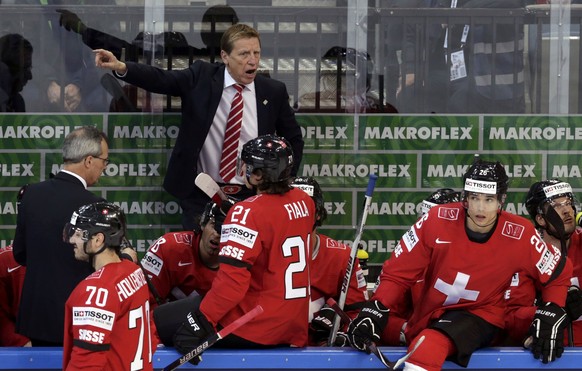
130, 284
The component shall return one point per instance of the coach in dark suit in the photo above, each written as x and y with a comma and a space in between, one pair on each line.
207, 91
52, 271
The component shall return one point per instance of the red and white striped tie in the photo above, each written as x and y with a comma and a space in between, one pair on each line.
231, 136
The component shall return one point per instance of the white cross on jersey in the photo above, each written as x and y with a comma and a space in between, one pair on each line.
456, 291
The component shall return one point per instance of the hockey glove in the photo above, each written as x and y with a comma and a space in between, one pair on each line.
220, 214
322, 324
341, 340
574, 303
547, 330
368, 325
192, 333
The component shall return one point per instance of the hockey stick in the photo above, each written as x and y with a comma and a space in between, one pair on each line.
373, 348
210, 188
351, 261
212, 339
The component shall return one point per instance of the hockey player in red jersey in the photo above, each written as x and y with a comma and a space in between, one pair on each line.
551, 206
182, 264
11, 280
107, 316
329, 261
466, 253
264, 260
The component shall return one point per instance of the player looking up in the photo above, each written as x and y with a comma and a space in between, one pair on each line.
461, 251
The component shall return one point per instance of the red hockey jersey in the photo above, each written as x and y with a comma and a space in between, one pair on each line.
461, 274
11, 280
265, 258
108, 323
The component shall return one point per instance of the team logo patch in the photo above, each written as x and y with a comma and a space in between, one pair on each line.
238, 234
231, 189
89, 316
410, 239
448, 213
333, 244
152, 263
512, 230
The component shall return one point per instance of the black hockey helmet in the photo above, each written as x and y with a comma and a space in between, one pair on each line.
215, 212
271, 154
546, 191
98, 217
439, 197
486, 177
312, 188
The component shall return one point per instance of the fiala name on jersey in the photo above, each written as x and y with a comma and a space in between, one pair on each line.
361, 170
146, 132
328, 132
296, 210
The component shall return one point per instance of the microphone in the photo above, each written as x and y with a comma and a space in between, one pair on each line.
579, 219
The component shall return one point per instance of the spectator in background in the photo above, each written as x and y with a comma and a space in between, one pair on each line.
466, 69
214, 22
207, 91
15, 71
11, 279
51, 269
184, 264
108, 323
551, 206
65, 79
346, 84
328, 266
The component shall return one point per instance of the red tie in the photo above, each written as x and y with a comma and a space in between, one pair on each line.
231, 136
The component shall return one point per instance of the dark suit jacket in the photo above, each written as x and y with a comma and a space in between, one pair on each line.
51, 269
200, 87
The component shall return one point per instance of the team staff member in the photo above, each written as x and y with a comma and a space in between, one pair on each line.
543, 199
328, 266
467, 253
108, 322
51, 269
182, 264
207, 91
11, 280
264, 258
